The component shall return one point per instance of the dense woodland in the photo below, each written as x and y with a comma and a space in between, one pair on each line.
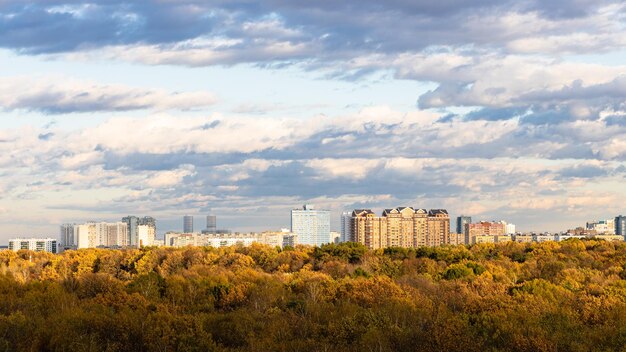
568, 296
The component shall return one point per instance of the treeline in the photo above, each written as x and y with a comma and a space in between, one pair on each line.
551, 296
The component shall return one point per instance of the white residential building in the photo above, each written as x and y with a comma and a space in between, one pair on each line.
34, 244
311, 226
145, 235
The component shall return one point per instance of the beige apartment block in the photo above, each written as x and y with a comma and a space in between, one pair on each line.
502, 239
483, 228
400, 227
524, 238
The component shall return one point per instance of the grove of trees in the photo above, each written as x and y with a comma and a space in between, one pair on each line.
551, 296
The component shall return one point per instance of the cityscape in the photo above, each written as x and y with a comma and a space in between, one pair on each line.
405, 227
313, 176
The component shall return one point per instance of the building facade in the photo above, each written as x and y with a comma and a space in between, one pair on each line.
346, 216
620, 225
187, 224
606, 227
483, 228
67, 236
34, 244
145, 235
211, 224
461, 221
311, 226
400, 227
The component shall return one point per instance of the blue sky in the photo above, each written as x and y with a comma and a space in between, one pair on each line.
500, 110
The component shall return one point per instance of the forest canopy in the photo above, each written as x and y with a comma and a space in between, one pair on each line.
567, 296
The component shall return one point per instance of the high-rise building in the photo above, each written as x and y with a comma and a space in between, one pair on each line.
211, 224
34, 244
131, 224
620, 225
67, 236
188, 224
400, 227
483, 228
461, 221
438, 227
86, 235
145, 235
346, 217
310, 225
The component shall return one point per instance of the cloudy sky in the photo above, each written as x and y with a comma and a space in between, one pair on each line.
509, 110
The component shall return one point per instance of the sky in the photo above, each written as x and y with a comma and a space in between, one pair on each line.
511, 110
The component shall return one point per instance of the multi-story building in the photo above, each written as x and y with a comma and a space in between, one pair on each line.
620, 225
145, 235
133, 223
311, 226
483, 228
438, 227
461, 221
94, 234
86, 236
456, 239
271, 238
543, 237
400, 227
346, 216
502, 238
524, 238
608, 237
602, 226
566, 236
34, 244
67, 236
509, 229
188, 224
211, 224
483, 239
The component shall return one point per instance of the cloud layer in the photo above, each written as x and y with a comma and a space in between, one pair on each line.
60, 95
525, 114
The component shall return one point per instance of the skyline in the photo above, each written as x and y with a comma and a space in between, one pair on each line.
498, 110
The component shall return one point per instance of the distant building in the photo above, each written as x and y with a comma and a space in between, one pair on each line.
461, 221
608, 237
187, 224
620, 225
523, 238
483, 239
602, 226
271, 238
509, 229
145, 235
211, 224
131, 224
335, 237
456, 239
400, 227
543, 237
67, 236
311, 226
34, 244
483, 228
346, 217
567, 236
86, 235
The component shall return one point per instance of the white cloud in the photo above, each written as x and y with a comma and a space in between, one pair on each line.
59, 94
